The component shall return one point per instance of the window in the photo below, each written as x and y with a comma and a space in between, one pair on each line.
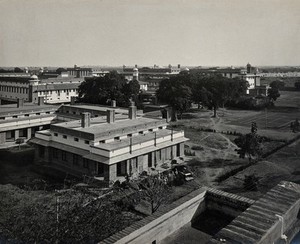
38, 113
86, 142
85, 163
64, 156
47, 112
103, 141
121, 168
15, 116
129, 135
55, 153
55, 134
117, 138
26, 115
65, 137
75, 159
76, 139
141, 132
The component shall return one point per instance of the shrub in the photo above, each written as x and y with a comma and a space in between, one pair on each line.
251, 182
188, 152
197, 148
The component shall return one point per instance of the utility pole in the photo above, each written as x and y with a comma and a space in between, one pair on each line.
266, 118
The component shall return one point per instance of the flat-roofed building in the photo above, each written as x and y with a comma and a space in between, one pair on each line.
22, 120
109, 147
69, 112
30, 88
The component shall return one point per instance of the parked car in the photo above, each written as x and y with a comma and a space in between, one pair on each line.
183, 171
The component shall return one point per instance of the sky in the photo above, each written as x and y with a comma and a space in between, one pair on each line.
148, 32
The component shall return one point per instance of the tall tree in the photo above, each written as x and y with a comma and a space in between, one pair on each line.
176, 92
273, 94
277, 84
249, 144
18, 70
112, 86
215, 90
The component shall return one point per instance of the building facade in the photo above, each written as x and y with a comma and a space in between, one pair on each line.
23, 120
30, 88
110, 147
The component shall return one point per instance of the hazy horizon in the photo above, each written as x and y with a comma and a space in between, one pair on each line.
147, 32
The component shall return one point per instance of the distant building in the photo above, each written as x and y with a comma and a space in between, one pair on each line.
79, 72
109, 147
30, 88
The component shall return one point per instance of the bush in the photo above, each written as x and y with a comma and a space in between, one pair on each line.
251, 182
197, 148
188, 152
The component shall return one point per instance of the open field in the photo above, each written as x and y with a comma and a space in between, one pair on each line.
215, 153
282, 165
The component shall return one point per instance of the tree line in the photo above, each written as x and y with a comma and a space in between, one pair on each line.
213, 91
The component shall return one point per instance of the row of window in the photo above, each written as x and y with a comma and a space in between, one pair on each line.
103, 141
23, 115
57, 91
14, 89
75, 138
130, 135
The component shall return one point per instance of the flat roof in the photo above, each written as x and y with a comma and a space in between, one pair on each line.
101, 108
10, 109
100, 128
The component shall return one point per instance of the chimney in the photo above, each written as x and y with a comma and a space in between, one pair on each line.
178, 66
135, 66
41, 101
132, 111
20, 102
85, 120
113, 103
73, 100
110, 116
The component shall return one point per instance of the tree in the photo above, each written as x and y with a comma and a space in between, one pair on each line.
297, 85
273, 94
215, 90
277, 84
154, 191
251, 182
249, 144
18, 70
60, 70
177, 93
113, 86
295, 126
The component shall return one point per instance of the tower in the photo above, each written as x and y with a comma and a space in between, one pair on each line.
135, 75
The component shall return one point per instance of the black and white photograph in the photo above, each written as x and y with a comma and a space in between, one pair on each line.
150, 121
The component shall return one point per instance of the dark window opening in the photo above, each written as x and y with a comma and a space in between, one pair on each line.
75, 159
85, 163
149, 160
122, 168
64, 156
55, 153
